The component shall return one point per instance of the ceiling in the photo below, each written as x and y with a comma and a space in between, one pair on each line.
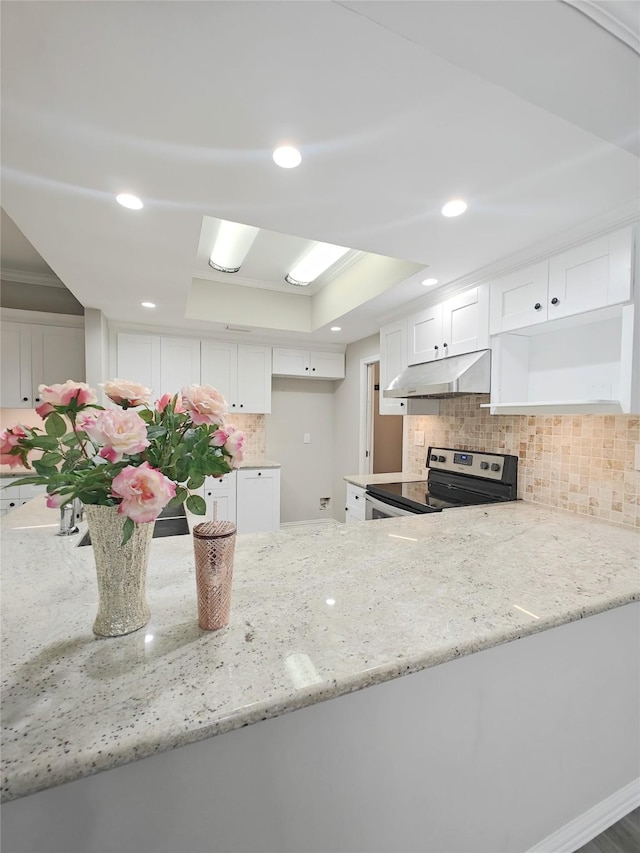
528, 110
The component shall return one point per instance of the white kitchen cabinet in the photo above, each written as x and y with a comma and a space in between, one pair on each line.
12, 496
258, 500
393, 360
33, 355
355, 508
587, 277
308, 363
241, 372
220, 497
164, 364
457, 325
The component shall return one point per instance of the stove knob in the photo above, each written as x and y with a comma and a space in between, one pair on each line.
484, 465
433, 457
495, 466
442, 459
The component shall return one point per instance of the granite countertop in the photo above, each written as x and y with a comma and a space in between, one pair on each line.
364, 480
314, 615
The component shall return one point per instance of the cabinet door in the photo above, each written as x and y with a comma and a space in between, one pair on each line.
519, 299
254, 380
393, 360
290, 362
179, 364
219, 368
590, 276
326, 365
220, 497
15, 366
57, 354
138, 359
258, 500
465, 322
425, 335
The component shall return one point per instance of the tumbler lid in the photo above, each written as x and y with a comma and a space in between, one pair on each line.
214, 529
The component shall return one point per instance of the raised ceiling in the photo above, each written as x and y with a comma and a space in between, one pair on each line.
527, 110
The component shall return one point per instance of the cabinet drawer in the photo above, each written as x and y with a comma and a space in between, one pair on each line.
355, 497
7, 504
220, 484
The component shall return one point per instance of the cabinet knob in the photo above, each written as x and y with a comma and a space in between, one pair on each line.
242, 405
209, 494
555, 300
436, 346
306, 368
233, 405
402, 404
357, 497
37, 399
25, 399
259, 473
537, 306
445, 345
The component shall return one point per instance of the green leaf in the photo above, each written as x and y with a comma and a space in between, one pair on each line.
183, 466
44, 442
196, 505
55, 425
180, 497
27, 481
70, 439
146, 415
42, 468
155, 432
195, 481
51, 458
127, 529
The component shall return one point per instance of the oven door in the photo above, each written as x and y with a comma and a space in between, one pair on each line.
376, 508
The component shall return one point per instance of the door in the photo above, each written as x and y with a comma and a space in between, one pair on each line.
254, 380
57, 354
15, 367
425, 335
387, 434
326, 365
138, 360
179, 364
465, 322
519, 299
258, 500
219, 364
290, 362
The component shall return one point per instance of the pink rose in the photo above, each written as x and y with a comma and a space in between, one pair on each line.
10, 438
164, 401
205, 404
86, 420
64, 395
55, 501
232, 440
118, 432
144, 490
122, 391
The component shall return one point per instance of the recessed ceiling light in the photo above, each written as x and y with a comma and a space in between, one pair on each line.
148, 304
428, 282
454, 207
336, 328
314, 263
287, 157
130, 201
232, 244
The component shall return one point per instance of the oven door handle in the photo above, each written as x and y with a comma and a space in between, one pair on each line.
391, 510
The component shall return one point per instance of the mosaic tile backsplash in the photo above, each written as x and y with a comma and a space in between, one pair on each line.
255, 439
583, 463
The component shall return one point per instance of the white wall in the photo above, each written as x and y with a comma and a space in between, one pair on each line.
347, 418
300, 406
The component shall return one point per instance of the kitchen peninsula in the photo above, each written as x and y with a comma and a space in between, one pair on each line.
499, 725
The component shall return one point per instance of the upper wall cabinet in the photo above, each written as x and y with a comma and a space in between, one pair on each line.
241, 372
457, 325
318, 365
587, 277
161, 363
393, 360
34, 355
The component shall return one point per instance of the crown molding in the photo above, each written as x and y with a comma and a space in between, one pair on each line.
41, 318
39, 278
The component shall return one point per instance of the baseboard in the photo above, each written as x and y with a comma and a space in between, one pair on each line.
591, 823
312, 522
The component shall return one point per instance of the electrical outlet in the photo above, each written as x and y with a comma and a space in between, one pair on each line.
418, 438
306, 438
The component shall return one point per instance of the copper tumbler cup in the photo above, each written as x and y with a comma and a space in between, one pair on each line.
214, 544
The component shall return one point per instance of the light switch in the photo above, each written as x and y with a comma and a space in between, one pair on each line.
307, 438
418, 438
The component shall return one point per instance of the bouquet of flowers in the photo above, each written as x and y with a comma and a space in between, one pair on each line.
138, 457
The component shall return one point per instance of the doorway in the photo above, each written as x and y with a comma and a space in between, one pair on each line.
384, 432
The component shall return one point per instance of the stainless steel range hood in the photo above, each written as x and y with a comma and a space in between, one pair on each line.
446, 377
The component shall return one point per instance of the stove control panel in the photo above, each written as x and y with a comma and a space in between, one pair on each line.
469, 462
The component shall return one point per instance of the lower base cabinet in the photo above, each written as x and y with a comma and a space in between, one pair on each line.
258, 500
12, 496
355, 508
249, 497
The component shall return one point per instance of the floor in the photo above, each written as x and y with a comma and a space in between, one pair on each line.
622, 837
